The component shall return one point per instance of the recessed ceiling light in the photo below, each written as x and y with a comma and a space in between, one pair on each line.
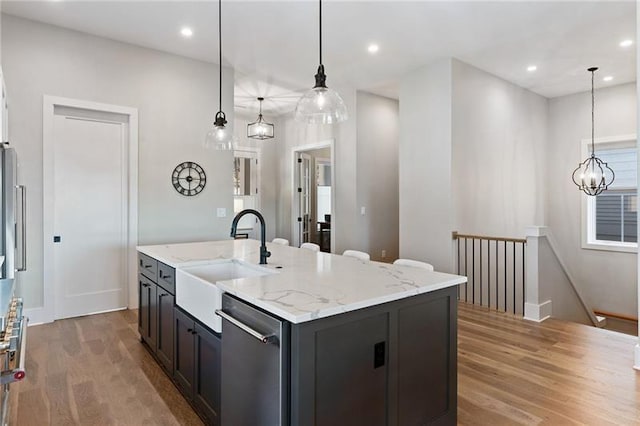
626, 43
532, 68
373, 48
186, 32
608, 78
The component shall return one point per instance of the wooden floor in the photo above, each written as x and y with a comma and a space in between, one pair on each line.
94, 371
512, 371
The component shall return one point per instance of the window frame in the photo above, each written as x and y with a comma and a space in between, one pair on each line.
589, 240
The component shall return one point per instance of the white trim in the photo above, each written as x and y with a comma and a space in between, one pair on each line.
538, 313
636, 351
329, 143
588, 205
36, 316
48, 110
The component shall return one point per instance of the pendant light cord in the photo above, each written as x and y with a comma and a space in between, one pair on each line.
220, 51
593, 107
320, 14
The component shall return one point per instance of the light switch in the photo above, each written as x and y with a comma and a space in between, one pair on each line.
222, 212
363, 210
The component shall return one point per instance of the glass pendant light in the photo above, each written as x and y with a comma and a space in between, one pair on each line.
260, 129
321, 105
593, 176
219, 136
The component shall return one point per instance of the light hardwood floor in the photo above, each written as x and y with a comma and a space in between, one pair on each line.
94, 371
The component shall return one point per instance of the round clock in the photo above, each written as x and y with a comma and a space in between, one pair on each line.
188, 178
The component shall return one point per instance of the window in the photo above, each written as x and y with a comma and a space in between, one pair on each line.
612, 216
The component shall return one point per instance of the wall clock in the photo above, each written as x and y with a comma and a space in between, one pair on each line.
188, 178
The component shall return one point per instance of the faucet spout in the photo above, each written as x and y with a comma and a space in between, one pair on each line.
264, 253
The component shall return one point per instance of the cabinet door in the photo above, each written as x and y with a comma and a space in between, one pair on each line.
164, 348
184, 370
427, 354
351, 373
148, 321
207, 385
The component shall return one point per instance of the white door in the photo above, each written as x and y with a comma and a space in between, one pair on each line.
90, 214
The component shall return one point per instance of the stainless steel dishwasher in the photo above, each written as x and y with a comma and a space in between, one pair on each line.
255, 366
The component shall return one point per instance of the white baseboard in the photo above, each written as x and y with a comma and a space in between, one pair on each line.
636, 363
37, 316
537, 313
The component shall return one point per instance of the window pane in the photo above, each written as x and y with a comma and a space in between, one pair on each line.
623, 161
609, 216
630, 218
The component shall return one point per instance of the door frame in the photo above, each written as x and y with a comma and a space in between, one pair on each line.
329, 143
48, 111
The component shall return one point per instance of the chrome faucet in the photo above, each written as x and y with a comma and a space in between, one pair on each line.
264, 253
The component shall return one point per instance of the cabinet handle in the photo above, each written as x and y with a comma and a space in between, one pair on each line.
164, 276
189, 330
163, 295
264, 338
147, 266
145, 285
194, 332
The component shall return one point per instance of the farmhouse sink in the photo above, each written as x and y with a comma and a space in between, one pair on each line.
198, 294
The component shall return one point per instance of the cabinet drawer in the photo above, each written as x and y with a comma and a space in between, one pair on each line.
148, 266
167, 278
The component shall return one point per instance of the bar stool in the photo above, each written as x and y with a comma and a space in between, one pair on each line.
310, 246
357, 254
414, 264
281, 241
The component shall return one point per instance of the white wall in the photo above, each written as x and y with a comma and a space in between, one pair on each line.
176, 98
425, 191
499, 132
377, 175
269, 184
609, 279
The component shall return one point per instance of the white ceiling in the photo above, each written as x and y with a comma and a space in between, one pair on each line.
273, 44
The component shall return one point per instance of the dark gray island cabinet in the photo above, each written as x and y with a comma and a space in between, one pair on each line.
390, 364
355, 361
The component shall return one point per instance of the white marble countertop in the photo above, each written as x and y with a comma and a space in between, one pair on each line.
307, 285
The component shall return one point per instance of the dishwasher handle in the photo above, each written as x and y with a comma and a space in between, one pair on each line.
264, 338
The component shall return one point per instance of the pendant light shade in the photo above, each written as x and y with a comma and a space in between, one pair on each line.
593, 176
219, 136
321, 105
260, 129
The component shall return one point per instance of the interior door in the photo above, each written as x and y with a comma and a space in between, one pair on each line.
304, 198
246, 175
90, 214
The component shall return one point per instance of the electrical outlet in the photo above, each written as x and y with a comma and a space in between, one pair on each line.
222, 212
383, 254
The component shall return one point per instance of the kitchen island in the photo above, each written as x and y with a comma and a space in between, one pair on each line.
309, 339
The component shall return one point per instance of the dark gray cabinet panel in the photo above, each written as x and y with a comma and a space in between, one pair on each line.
148, 314
351, 387
165, 338
147, 266
184, 367
167, 277
425, 356
206, 394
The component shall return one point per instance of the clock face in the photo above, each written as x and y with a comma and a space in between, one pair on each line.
188, 178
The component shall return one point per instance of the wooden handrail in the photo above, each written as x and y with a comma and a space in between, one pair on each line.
456, 235
616, 316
